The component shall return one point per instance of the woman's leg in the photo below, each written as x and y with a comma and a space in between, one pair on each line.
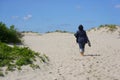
82, 47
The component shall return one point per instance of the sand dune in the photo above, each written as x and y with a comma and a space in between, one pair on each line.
101, 61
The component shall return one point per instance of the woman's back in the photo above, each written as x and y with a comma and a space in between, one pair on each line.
81, 36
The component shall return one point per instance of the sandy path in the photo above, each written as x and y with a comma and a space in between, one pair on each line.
102, 60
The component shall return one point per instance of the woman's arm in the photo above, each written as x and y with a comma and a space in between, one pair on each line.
88, 41
76, 36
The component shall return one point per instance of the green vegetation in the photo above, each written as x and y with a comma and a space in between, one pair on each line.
110, 27
60, 31
9, 35
15, 57
29, 32
1, 74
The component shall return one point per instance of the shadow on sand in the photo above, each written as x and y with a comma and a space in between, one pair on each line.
92, 55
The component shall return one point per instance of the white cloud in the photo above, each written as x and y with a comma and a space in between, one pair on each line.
15, 17
29, 16
117, 6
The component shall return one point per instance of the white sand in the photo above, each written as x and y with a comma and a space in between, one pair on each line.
102, 60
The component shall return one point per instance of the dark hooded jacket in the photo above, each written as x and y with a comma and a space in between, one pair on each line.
81, 36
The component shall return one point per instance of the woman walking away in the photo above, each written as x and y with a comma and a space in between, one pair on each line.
82, 39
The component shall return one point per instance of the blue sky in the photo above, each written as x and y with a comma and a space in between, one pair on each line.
50, 15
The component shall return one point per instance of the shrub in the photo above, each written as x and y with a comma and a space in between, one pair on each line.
9, 35
61, 31
1, 74
15, 57
110, 27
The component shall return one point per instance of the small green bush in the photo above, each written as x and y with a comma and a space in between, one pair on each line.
110, 27
34, 66
9, 35
1, 74
15, 57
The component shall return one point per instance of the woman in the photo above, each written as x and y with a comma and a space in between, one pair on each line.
82, 39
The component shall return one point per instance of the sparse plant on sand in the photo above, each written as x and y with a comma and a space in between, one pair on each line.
60, 31
1, 74
15, 57
35, 66
110, 27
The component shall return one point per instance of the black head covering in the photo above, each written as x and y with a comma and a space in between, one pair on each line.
80, 27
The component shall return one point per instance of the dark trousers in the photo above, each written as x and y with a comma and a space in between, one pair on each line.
82, 47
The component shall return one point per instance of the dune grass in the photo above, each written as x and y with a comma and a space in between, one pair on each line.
15, 57
110, 27
60, 31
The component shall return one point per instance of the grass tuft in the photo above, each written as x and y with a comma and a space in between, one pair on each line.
110, 27
15, 57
